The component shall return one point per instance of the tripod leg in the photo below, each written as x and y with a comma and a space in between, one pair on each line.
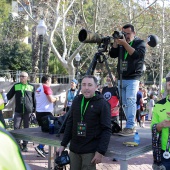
93, 64
120, 87
108, 69
91, 68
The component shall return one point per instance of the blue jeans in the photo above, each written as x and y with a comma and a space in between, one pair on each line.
129, 93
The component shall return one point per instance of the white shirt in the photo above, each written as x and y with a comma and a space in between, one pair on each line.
42, 102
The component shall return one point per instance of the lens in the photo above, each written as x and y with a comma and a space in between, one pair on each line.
82, 35
89, 37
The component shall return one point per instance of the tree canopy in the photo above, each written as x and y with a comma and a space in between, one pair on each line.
64, 20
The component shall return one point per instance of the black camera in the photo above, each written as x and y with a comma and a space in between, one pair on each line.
118, 34
62, 160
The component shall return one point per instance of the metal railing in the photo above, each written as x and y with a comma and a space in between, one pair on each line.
13, 76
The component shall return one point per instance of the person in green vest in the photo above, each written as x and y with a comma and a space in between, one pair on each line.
160, 124
11, 158
2, 105
24, 104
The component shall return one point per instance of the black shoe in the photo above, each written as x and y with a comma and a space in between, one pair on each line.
40, 152
114, 160
46, 153
24, 149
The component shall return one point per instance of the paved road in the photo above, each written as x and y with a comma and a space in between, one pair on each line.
143, 162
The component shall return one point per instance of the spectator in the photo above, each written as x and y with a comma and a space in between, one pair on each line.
151, 106
24, 104
138, 103
133, 53
70, 94
144, 103
160, 124
44, 106
88, 127
111, 95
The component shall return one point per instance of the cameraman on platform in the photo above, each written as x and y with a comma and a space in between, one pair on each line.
133, 53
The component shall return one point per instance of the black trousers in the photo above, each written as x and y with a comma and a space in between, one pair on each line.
18, 118
138, 117
39, 115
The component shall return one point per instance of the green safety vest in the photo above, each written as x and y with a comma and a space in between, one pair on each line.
1, 125
2, 105
10, 155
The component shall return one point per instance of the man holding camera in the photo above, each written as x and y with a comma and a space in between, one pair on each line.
132, 54
88, 128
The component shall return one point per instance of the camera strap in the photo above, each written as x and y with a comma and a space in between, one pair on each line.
126, 53
156, 145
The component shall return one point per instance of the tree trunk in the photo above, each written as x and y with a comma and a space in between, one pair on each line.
35, 54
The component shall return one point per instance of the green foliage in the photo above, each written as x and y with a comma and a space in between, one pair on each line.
16, 56
111, 16
14, 29
4, 10
55, 67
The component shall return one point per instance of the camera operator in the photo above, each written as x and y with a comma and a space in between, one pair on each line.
133, 52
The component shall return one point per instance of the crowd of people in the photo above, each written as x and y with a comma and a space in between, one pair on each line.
92, 112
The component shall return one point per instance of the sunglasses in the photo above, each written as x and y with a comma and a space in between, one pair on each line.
167, 79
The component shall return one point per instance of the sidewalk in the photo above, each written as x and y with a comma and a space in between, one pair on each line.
143, 162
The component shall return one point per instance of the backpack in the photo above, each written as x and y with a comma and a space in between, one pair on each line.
58, 122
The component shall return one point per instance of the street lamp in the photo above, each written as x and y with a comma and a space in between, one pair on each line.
78, 58
41, 30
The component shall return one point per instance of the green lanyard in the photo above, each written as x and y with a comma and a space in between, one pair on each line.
126, 53
82, 105
23, 87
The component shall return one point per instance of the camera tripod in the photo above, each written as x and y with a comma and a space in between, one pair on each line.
101, 58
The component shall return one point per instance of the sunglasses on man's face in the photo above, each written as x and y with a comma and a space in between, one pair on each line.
167, 79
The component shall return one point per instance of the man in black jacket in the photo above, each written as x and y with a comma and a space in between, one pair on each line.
133, 52
88, 127
24, 104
